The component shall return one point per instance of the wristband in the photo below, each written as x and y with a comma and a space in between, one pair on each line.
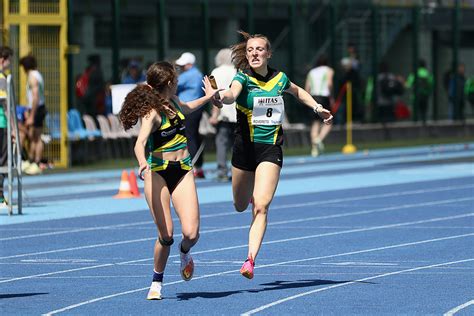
317, 109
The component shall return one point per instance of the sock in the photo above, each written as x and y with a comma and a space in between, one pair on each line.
157, 276
181, 249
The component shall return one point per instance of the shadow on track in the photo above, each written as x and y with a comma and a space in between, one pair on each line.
15, 295
277, 285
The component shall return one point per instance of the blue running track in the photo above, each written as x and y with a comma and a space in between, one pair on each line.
379, 232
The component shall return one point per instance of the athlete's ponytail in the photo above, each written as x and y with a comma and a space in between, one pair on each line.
239, 51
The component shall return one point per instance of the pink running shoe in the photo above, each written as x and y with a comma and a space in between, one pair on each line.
247, 268
187, 265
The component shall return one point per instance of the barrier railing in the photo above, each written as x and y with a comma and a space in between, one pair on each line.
13, 167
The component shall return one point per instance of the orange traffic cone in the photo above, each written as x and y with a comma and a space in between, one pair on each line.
124, 188
133, 185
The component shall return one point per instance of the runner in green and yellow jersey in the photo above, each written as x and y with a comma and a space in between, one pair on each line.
257, 155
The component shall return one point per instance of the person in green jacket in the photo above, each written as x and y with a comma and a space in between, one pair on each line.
425, 88
469, 91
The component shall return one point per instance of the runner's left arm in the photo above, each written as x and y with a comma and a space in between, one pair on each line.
304, 97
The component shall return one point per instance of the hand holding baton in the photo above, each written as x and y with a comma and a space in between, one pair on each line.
213, 82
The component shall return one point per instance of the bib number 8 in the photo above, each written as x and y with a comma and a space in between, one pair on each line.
269, 112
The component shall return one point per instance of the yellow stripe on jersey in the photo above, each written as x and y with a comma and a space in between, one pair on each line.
185, 166
159, 165
177, 140
165, 122
267, 86
248, 114
275, 135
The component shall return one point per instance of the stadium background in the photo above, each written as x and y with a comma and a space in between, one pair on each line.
63, 33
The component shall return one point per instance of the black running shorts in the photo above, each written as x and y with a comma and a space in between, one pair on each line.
248, 155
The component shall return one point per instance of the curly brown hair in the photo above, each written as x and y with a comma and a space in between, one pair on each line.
239, 51
149, 96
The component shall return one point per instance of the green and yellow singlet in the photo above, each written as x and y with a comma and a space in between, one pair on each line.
170, 136
260, 106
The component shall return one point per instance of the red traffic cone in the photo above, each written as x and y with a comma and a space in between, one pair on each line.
134, 185
124, 188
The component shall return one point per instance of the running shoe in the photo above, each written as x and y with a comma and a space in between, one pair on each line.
187, 265
155, 291
33, 169
320, 145
314, 150
25, 164
247, 268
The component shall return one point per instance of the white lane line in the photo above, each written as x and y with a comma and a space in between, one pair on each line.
263, 307
242, 246
268, 265
458, 308
372, 196
384, 209
231, 213
115, 243
80, 230
322, 235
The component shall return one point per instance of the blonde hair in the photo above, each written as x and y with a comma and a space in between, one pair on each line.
239, 51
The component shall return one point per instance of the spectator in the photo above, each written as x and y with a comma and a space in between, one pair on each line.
134, 73
319, 83
90, 88
350, 75
352, 55
389, 87
225, 118
456, 92
37, 112
190, 88
469, 91
425, 88
108, 98
5, 58
21, 117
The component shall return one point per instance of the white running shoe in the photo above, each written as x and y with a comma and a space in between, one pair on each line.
187, 265
155, 291
33, 169
320, 145
25, 164
314, 150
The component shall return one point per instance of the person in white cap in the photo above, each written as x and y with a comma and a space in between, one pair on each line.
190, 88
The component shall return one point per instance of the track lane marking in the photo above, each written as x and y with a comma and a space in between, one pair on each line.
98, 299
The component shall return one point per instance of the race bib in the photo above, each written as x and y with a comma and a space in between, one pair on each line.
268, 110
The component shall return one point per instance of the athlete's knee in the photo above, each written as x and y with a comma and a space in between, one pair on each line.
191, 236
260, 209
166, 241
